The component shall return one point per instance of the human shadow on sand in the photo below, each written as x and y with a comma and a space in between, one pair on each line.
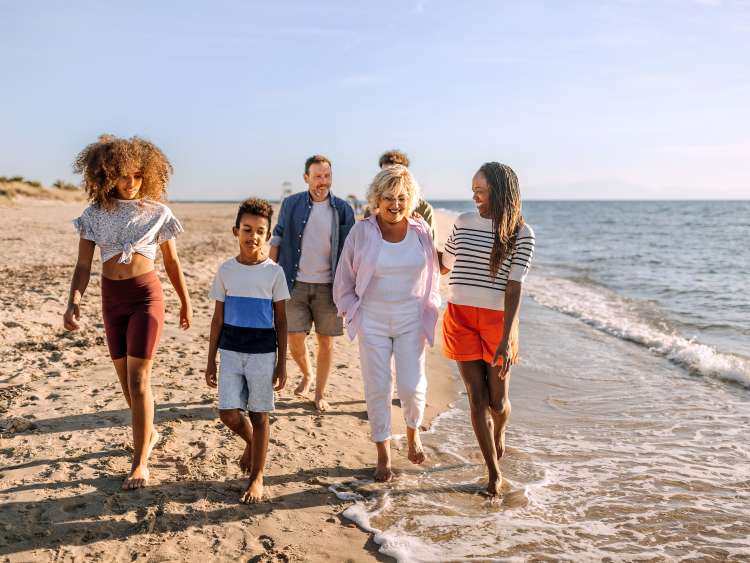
106, 513
164, 412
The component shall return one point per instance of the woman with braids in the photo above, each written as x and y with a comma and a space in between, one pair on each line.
125, 180
488, 254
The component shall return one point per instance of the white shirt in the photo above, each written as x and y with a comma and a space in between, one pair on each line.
467, 253
315, 259
397, 279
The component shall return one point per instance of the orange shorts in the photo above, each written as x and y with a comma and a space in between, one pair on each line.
473, 333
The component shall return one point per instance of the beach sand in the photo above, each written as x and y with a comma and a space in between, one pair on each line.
65, 428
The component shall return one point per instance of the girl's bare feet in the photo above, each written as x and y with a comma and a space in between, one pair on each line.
137, 479
383, 472
154, 440
416, 452
321, 404
254, 491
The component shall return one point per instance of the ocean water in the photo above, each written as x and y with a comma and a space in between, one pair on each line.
630, 433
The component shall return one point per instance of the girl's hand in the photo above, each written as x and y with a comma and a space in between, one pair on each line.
505, 354
186, 316
279, 376
211, 374
71, 317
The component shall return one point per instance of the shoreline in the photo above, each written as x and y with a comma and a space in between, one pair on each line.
65, 427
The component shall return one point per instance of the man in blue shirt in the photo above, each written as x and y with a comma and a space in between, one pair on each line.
307, 243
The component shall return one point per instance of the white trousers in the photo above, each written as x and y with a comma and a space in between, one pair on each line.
386, 334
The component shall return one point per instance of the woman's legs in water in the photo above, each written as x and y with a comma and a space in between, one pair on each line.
499, 395
474, 374
409, 358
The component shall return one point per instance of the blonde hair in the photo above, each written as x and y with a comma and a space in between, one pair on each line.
390, 180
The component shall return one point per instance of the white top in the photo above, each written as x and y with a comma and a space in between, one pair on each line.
132, 226
467, 253
315, 259
397, 279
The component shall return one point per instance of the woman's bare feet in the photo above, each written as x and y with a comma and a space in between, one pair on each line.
254, 491
500, 442
383, 473
154, 440
303, 388
137, 479
416, 452
247, 459
494, 484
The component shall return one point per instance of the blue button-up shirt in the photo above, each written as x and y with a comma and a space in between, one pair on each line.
290, 226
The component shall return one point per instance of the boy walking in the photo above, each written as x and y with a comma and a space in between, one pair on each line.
249, 328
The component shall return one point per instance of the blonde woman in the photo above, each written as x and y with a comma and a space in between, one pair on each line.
386, 288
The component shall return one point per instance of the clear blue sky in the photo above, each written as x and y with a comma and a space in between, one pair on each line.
600, 99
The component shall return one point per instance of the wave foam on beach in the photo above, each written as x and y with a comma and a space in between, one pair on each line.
634, 321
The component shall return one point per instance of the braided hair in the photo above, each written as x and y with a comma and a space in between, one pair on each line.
505, 210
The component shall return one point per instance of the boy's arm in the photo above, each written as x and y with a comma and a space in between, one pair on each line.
217, 321
279, 321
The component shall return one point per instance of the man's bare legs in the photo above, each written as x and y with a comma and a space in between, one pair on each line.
298, 348
254, 491
474, 374
324, 359
142, 415
383, 470
237, 422
322, 370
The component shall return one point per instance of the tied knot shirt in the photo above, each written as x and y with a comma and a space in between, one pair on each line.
467, 254
248, 294
131, 226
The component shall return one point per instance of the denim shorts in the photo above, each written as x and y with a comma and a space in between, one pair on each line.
246, 381
312, 303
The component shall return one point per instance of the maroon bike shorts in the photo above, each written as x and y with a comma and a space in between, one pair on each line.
133, 312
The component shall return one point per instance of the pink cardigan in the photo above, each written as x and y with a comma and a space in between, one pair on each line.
357, 265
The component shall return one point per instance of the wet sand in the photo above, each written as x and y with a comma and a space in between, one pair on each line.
64, 426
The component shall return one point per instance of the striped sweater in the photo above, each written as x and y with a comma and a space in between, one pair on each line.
467, 254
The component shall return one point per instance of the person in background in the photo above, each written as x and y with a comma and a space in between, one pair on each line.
307, 243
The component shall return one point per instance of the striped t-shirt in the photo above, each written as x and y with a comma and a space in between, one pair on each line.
248, 293
467, 254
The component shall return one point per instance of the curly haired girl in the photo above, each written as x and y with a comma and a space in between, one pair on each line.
125, 179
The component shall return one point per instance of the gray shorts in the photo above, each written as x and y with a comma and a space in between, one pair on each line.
246, 381
313, 303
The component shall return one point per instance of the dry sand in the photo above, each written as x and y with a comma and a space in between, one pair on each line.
65, 435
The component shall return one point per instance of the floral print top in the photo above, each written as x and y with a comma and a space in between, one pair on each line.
132, 226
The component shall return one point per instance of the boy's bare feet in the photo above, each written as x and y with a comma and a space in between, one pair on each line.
303, 388
137, 479
494, 484
254, 491
383, 473
416, 452
247, 459
154, 440
321, 404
